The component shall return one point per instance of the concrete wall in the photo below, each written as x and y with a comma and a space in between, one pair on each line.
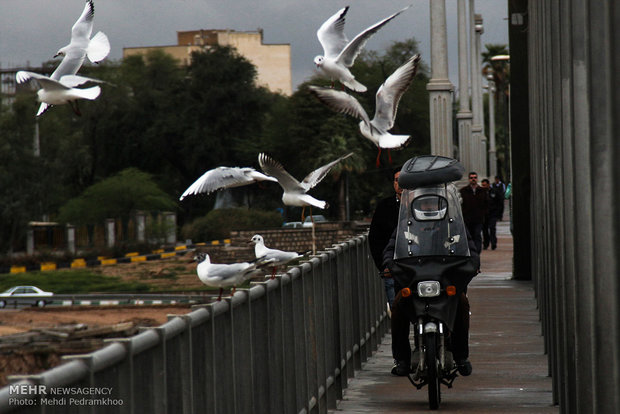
574, 79
294, 240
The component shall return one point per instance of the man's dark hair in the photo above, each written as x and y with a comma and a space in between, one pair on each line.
484, 180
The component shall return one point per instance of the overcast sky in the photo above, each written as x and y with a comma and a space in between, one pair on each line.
31, 31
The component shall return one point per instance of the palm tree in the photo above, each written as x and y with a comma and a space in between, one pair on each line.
500, 69
337, 146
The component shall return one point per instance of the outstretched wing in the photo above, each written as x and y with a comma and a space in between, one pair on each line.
83, 27
224, 177
75, 52
331, 34
354, 47
340, 101
389, 94
23, 76
72, 81
275, 169
317, 175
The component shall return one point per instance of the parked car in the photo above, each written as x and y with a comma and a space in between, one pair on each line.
317, 219
292, 225
25, 295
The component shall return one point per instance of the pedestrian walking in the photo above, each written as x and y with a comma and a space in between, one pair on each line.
475, 206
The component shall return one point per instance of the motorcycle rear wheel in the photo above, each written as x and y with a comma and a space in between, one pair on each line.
434, 390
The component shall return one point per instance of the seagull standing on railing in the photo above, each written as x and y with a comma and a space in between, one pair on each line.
386, 105
338, 53
271, 257
223, 275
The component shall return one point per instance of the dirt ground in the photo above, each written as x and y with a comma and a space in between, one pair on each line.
176, 274
21, 320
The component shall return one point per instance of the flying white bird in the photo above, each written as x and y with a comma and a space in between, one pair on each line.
338, 53
225, 177
80, 46
294, 191
386, 105
59, 92
271, 257
223, 275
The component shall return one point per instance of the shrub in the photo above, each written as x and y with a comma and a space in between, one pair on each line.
218, 224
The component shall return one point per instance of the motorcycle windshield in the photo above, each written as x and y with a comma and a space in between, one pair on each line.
431, 223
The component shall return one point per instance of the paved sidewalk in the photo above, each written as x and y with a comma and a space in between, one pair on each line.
506, 351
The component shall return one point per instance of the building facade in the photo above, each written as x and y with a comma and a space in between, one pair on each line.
272, 61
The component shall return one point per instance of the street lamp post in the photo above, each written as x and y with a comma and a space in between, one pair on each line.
506, 121
492, 151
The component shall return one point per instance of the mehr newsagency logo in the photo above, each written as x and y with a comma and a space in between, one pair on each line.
27, 394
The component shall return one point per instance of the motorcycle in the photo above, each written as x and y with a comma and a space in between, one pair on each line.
432, 266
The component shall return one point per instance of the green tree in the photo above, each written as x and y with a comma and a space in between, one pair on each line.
22, 178
116, 197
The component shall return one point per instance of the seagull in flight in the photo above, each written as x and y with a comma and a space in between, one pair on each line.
338, 53
294, 191
386, 105
59, 92
271, 257
223, 275
225, 177
80, 46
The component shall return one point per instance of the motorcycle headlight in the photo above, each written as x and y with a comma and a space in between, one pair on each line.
428, 289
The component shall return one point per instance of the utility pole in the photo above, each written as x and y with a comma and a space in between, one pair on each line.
492, 152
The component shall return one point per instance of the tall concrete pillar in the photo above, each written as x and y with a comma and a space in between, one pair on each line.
30, 241
464, 115
71, 244
492, 151
170, 220
479, 140
110, 232
439, 86
141, 226
476, 125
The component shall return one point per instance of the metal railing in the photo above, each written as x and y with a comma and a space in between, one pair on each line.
286, 345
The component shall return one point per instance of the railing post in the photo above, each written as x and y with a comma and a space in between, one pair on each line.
293, 401
241, 326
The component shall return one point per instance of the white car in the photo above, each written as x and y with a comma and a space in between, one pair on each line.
317, 219
25, 294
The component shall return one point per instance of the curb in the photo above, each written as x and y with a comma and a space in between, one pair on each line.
101, 261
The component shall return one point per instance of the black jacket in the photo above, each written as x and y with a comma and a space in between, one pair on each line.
475, 204
383, 224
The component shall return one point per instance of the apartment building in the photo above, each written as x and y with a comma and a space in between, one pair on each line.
272, 61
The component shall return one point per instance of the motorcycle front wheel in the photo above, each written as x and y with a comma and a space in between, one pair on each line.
434, 390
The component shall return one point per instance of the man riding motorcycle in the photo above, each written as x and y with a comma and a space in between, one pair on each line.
430, 237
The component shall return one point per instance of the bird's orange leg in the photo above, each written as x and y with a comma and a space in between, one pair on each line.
378, 162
